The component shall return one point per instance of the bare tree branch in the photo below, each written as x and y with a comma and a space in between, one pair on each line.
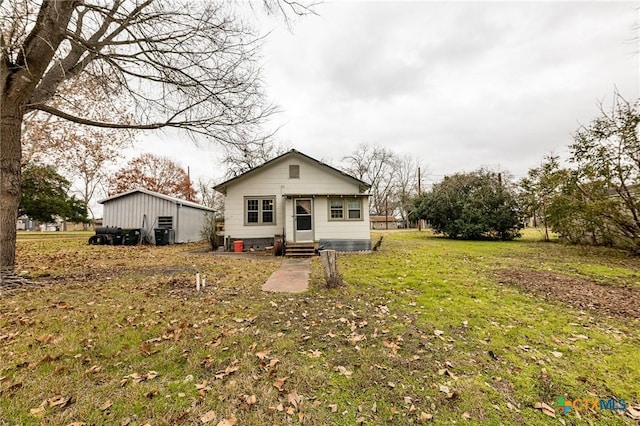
189, 64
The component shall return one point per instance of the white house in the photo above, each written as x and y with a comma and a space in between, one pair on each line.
299, 199
148, 210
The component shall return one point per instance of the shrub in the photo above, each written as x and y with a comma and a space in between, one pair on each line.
472, 206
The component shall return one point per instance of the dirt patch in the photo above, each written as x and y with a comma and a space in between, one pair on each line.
577, 292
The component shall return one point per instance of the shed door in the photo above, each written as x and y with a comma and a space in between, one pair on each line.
303, 220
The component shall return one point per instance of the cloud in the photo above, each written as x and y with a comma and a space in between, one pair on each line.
460, 84
455, 84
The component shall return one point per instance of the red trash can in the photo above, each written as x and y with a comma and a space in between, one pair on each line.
238, 246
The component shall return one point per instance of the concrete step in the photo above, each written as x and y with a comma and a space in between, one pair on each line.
300, 250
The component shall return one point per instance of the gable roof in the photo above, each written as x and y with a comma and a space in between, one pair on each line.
222, 187
157, 195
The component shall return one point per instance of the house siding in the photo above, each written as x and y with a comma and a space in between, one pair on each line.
274, 181
345, 229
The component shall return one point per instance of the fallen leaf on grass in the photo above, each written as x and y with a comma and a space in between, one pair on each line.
202, 385
293, 398
448, 372
557, 354
333, 407
545, 409
231, 368
250, 399
555, 340
424, 417
107, 404
57, 401
279, 383
47, 358
39, 411
228, 422
45, 338
355, 338
11, 388
94, 369
262, 354
391, 345
60, 401
145, 348
360, 420
466, 416
206, 363
8, 336
208, 417
633, 412
444, 389
342, 370
137, 377
77, 424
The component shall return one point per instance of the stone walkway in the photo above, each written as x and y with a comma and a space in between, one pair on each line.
292, 277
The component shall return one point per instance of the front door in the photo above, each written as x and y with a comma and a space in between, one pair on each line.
303, 219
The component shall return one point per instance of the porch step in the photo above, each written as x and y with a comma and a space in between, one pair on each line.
300, 250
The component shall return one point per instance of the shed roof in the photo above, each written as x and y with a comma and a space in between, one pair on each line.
222, 187
375, 218
157, 195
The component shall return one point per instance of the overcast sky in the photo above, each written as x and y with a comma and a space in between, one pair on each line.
458, 85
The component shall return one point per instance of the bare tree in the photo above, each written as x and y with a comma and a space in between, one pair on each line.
239, 159
377, 166
83, 154
405, 186
210, 197
182, 64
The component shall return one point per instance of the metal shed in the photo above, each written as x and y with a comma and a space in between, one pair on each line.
148, 210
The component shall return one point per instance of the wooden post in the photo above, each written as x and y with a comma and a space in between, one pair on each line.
330, 267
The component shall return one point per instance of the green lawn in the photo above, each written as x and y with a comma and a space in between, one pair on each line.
423, 332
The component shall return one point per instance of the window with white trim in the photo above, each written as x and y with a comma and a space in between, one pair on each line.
259, 210
345, 209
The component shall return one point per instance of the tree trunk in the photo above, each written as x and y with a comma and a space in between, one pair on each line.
330, 267
10, 156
